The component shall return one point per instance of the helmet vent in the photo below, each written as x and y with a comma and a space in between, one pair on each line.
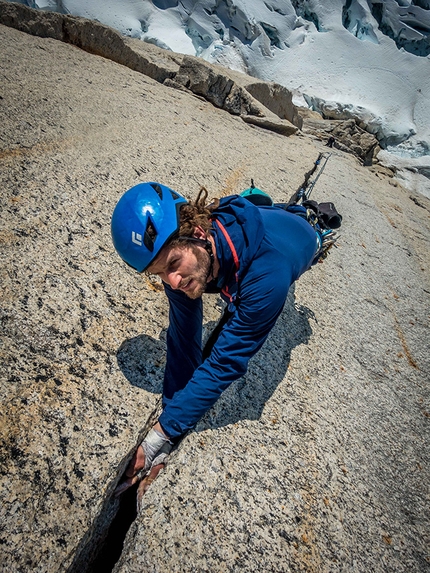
149, 236
157, 189
174, 195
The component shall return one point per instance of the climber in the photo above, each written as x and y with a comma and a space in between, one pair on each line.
331, 141
249, 255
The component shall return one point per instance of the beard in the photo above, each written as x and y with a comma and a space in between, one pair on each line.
202, 274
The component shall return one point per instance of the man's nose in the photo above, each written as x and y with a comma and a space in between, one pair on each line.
174, 280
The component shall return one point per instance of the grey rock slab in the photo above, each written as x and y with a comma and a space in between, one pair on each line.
83, 337
278, 99
318, 459
349, 136
273, 96
213, 83
264, 104
272, 122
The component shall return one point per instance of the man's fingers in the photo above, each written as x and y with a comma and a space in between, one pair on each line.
136, 464
121, 488
133, 472
146, 482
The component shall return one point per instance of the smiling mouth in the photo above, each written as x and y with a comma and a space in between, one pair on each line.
186, 285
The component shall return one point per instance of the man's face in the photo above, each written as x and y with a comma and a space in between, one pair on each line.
184, 268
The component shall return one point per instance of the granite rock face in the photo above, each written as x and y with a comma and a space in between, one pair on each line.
348, 135
230, 91
82, 335
317, 460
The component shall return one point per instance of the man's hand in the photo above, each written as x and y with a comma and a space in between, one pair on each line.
147, 481
150, 455
132, 472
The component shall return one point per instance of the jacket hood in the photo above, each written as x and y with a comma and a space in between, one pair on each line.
238, 230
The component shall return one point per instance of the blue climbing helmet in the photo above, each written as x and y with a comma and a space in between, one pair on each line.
257, 196
144, 219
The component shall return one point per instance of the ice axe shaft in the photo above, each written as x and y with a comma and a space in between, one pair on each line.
321, 169
303, 192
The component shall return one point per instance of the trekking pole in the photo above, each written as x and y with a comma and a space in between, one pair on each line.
321, 169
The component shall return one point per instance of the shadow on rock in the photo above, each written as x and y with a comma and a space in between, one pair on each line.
141, 360
246, 398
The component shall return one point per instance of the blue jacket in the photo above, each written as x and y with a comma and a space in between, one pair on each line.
261, 251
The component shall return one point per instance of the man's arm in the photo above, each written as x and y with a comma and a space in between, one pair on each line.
184, 341
262, 300
184, 355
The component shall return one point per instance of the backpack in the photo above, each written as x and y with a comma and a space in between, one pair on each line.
323, 217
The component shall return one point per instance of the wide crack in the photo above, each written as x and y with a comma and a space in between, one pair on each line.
102, 545
111, 549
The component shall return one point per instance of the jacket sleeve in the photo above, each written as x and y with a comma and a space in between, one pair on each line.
244, 334
184, 341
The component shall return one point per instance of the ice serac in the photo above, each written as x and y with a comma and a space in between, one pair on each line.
407, 23
357, 19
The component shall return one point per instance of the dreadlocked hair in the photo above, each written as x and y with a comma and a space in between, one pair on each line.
196, 214
192, 215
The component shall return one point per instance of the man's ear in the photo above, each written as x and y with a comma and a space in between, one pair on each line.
199, 233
